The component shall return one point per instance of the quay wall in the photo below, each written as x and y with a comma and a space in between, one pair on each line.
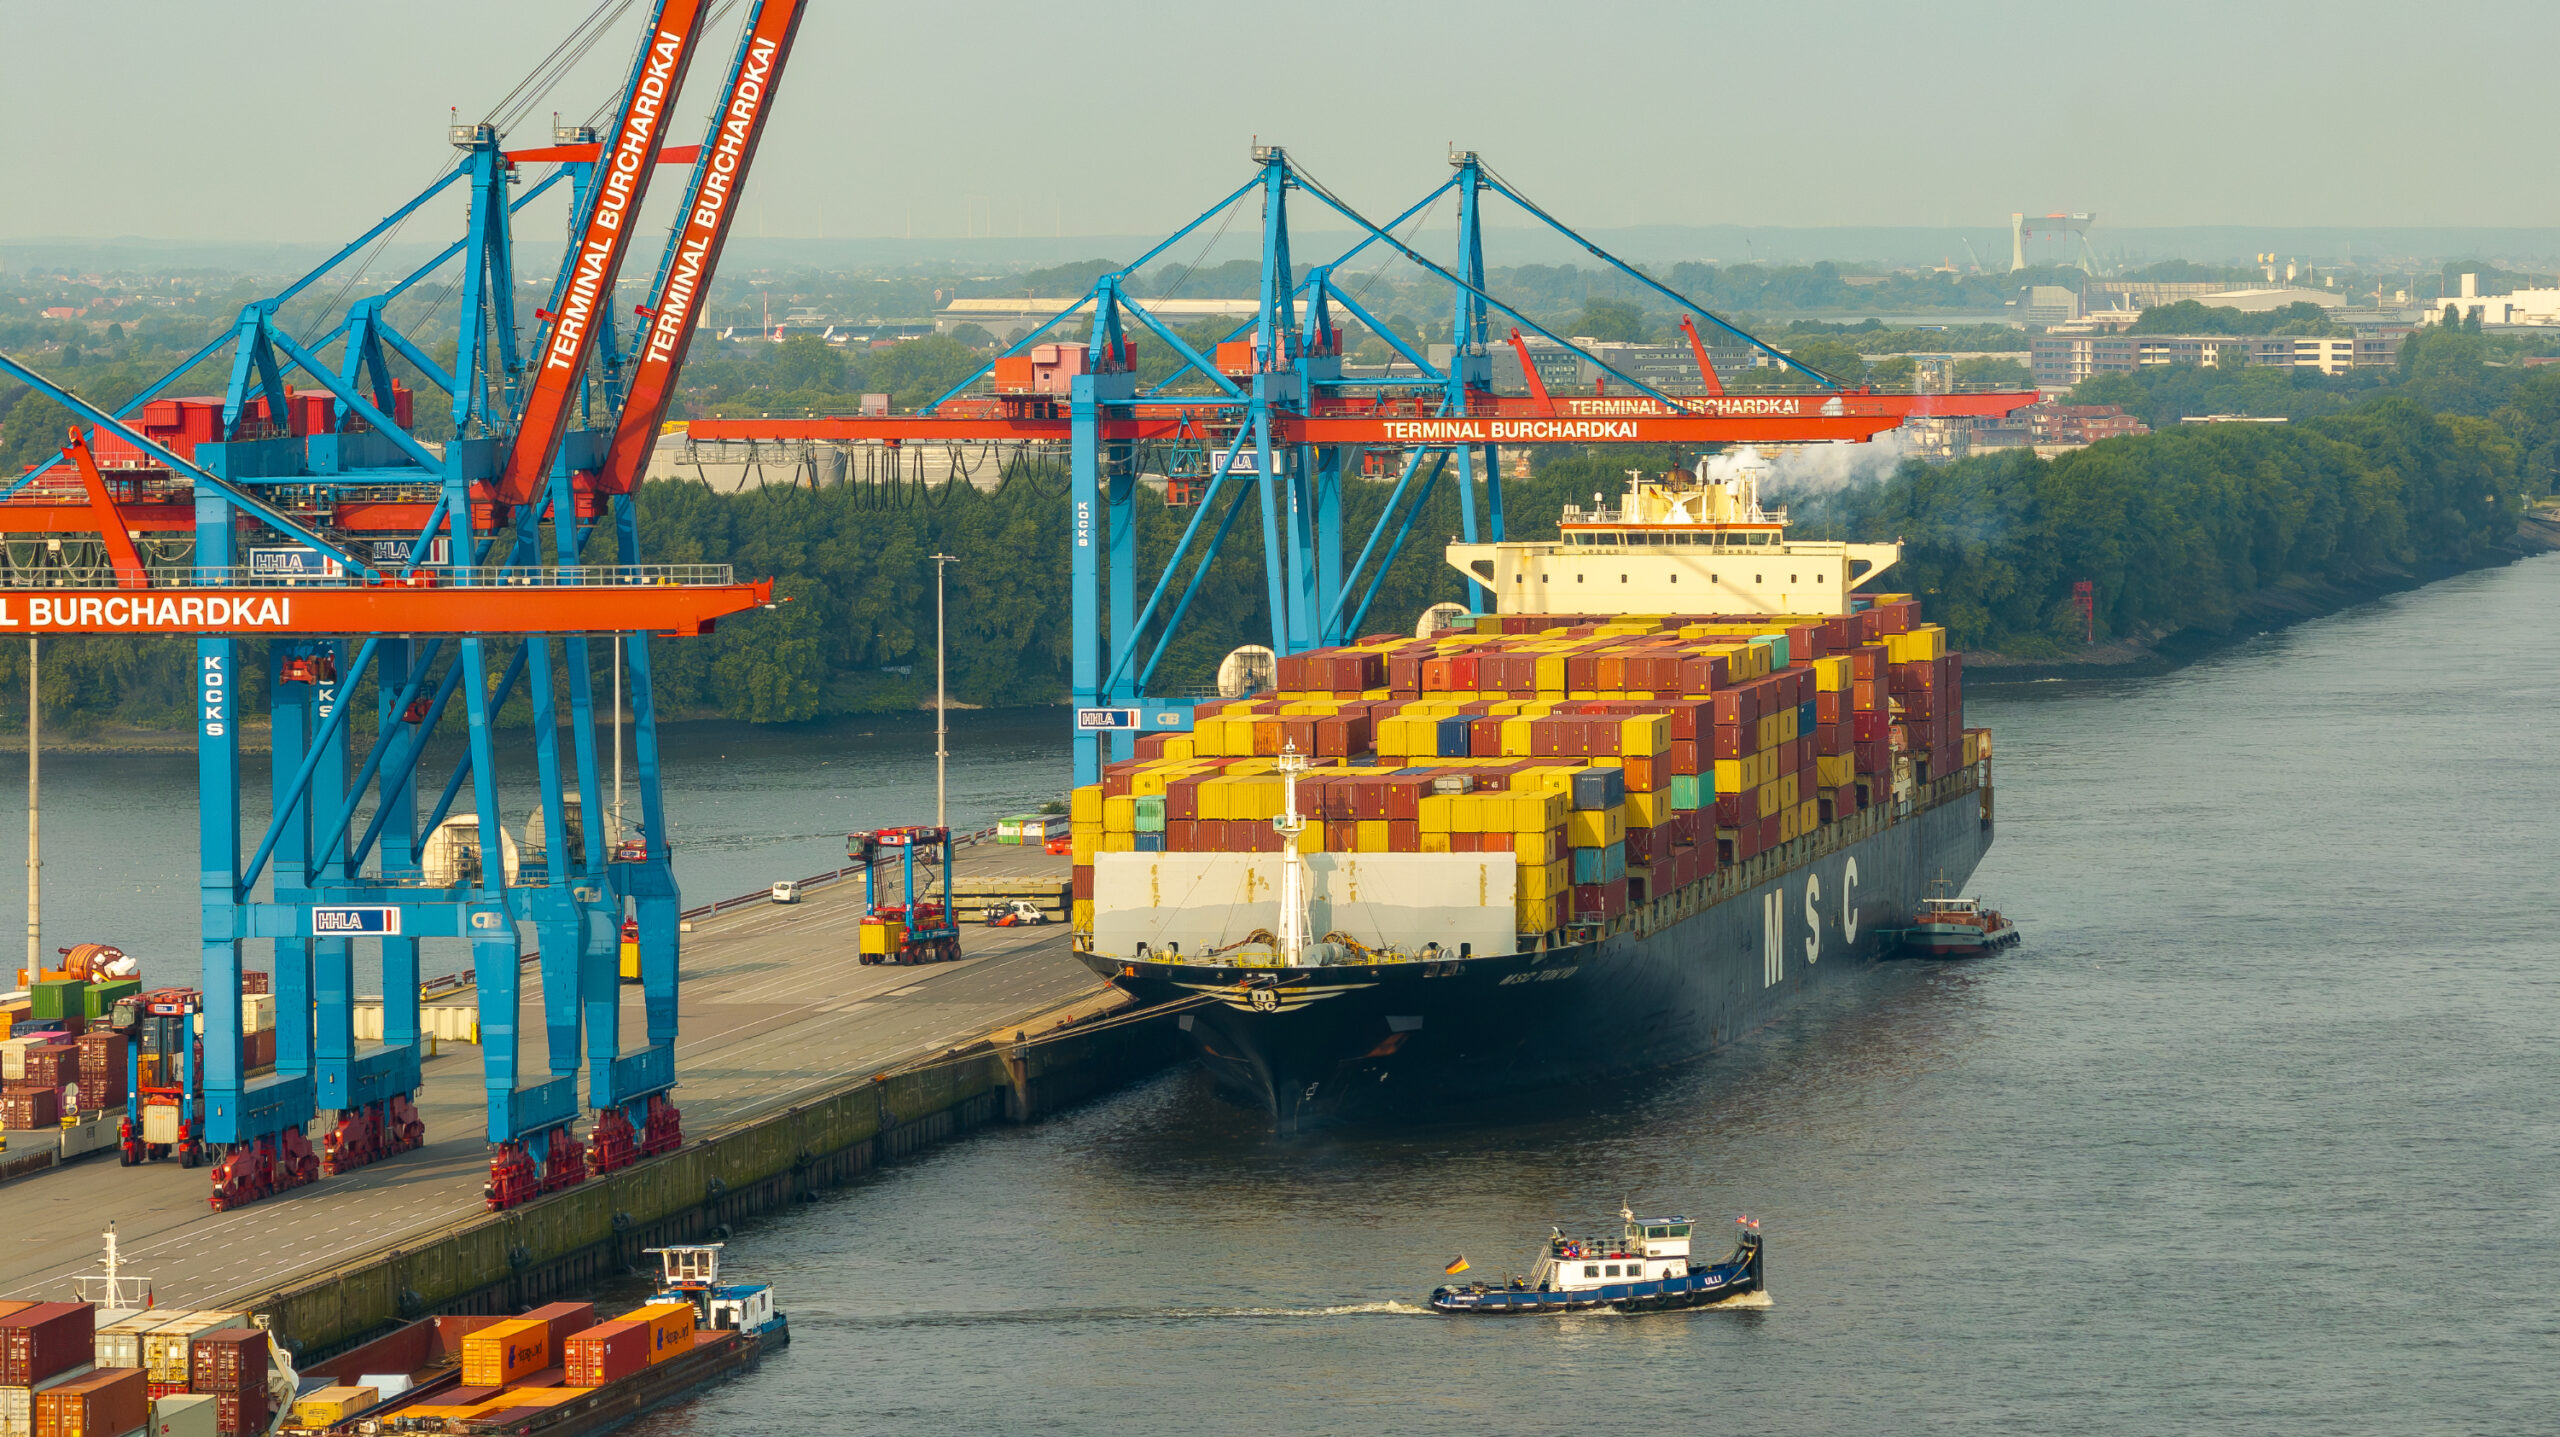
574, 1241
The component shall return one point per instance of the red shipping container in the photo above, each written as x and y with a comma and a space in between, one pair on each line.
1182, 800
159, 1390
31, 1108
1684, 757
1640, 850
1179, 837
1404, 799
108, 1403
49, 1338
607, 1352
1404, 836
1080, 880
565, 1319
48, 1065
1869, 727
227, 1359
1769, 828
241, 1414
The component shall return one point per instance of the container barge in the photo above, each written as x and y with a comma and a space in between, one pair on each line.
1556, 841
72, 1368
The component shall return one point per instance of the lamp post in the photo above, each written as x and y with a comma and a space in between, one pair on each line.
35, 862
941, 701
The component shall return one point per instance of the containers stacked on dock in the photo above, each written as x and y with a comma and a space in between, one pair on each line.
107, 1402
219, 1356
1618, 759
42, 1346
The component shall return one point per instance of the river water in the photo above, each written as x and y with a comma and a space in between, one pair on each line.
2253, 1134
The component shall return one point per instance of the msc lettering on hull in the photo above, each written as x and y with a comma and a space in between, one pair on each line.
91, 612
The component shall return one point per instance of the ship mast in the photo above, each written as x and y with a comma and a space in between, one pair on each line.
1293, 901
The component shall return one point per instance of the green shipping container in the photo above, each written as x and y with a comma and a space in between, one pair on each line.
1777, 649
57, 998
1150, 813
100, 1001
1692, 790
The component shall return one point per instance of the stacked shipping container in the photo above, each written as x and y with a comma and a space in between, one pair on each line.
1617, 760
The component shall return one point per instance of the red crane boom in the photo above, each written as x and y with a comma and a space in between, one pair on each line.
613, 208
693, 252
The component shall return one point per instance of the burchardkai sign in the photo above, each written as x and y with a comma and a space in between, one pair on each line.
423, 608
147, 613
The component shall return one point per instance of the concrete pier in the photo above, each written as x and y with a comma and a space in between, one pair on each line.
797, 1067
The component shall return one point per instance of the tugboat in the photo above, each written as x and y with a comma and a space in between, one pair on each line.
1949, 926
1646, 1270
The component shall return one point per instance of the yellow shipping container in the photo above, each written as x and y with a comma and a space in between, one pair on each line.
1516, 738
1210, 797
1788, 719
1928, 641
1834, 674
1373, 835
1645, 734
1558, 875
509, 1351
1537, 812
332, 1405
1765, 799
1467, 810
1733, 775
1596, 827
1808, 815
1550, 674
1535, 848
670, 1328
1084, 844
1645, 809
881, 937
1120, 814
1180, 746
1787, 793
1084, 806
1435, 842
1786, 824
1080, 914
1835, 770
1435, 812
1537, 915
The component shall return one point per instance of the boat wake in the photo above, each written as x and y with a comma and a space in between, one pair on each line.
1386, 1308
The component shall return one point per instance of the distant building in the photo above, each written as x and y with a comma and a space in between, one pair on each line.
2520, 306
2063, 360
2051, 429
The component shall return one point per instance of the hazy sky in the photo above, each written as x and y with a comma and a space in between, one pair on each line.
264, 120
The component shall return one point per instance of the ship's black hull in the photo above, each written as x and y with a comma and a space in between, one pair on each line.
1680, 977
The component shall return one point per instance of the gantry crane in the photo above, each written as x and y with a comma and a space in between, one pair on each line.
322, 523
1279, 415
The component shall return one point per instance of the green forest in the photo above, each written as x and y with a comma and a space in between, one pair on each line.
2427, 465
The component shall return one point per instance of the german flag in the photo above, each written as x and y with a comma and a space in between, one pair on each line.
1456, 1264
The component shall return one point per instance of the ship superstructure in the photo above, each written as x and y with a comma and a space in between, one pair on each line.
1678, 543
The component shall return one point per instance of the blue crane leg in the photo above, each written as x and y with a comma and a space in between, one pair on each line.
559, 927
396, 805
1084, 580
291, 724
1121, 487
218, 841
333, 1012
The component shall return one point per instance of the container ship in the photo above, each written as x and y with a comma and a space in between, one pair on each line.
1679, 771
